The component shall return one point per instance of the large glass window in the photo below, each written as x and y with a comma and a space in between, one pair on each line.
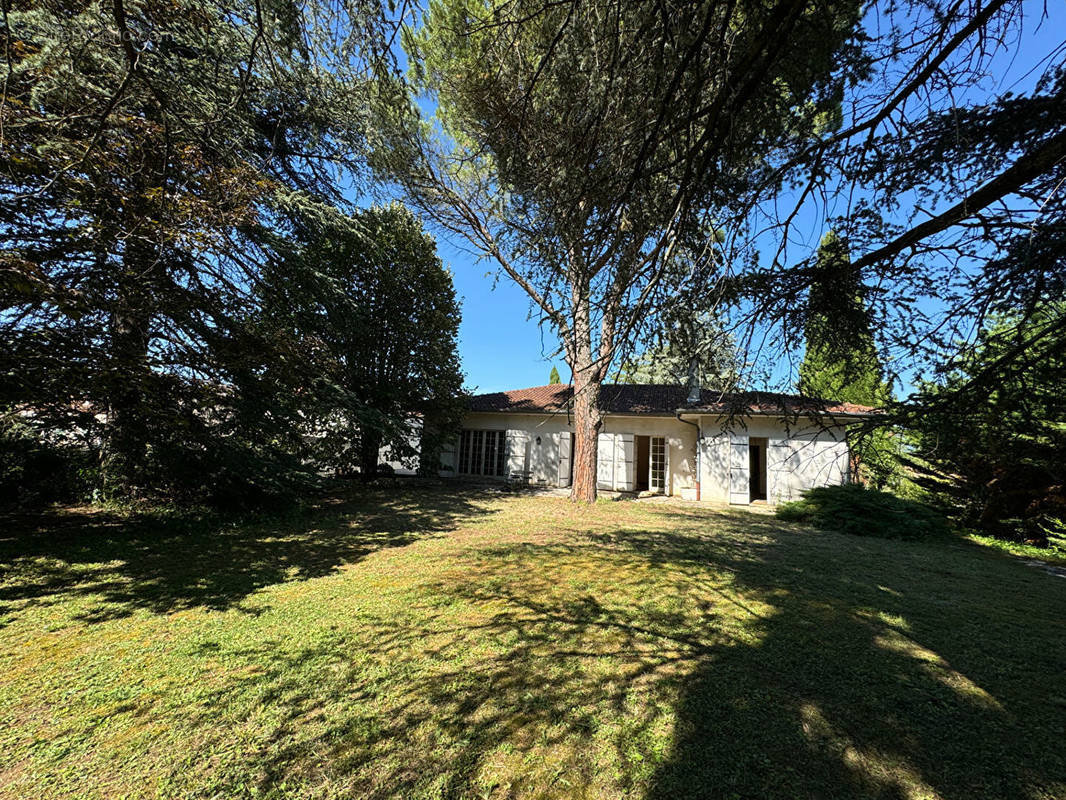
483, 453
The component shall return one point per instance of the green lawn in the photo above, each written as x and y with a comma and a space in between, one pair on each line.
457, 644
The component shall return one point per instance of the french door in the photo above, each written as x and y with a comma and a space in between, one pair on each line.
657, 464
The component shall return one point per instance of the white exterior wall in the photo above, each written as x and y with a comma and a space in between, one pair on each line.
543, 464
798, 457
680, 441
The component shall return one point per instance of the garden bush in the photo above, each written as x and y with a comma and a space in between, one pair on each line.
36, 470
854, 509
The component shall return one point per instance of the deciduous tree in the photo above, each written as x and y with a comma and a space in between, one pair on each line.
373, 317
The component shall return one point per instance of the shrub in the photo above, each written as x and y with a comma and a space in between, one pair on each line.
36, 471
854, 509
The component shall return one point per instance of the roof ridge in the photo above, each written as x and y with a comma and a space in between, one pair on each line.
659, 398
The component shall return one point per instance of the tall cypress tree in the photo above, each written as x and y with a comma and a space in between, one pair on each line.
553, 377
841, 361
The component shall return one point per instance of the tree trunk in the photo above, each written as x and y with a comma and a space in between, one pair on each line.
588, 377
125, 446
587, 423
370, 447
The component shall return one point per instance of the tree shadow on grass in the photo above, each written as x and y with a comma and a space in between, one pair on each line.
886, 670
166, 564
754, 661
658, 653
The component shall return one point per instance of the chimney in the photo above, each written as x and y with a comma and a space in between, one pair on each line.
693, 381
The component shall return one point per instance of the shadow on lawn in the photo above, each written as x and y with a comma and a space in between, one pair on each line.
703, 655
887, 670
794, 664
166, 565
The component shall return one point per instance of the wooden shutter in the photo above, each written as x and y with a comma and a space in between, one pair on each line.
517, 453
779, 470
739, 470
605, 461
563, 474
625, 479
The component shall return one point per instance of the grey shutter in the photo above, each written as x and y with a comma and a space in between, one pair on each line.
563, 474
517, 453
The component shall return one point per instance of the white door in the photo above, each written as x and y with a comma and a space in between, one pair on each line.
739, 469
517, 453
563, 475
666, 468
625, 478
659, 465
605, 461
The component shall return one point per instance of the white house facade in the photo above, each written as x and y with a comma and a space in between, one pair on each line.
738, 449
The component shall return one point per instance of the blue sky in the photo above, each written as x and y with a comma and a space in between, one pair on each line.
500, 346
503, 347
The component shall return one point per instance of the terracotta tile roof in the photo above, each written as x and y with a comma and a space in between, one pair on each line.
617, 398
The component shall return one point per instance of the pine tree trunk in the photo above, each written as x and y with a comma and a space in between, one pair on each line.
587, 423
587, 418
124, 452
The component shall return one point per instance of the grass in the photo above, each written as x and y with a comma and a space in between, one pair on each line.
466, 645
1054, 553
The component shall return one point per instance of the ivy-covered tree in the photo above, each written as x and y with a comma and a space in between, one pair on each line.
371, 317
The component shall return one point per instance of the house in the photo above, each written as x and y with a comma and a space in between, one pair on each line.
740, 448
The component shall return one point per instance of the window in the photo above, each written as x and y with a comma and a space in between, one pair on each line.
483, 453
658, 464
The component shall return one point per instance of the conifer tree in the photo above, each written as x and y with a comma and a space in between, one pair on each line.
841, 361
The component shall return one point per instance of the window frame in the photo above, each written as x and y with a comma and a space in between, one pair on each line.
482, 453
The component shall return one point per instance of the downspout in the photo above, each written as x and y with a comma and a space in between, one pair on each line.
699, 438
695, 394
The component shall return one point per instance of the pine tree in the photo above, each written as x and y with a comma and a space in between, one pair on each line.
579, 146
146, 147
696, 342
554, 378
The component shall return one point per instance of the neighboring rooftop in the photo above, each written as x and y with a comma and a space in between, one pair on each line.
644, 398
